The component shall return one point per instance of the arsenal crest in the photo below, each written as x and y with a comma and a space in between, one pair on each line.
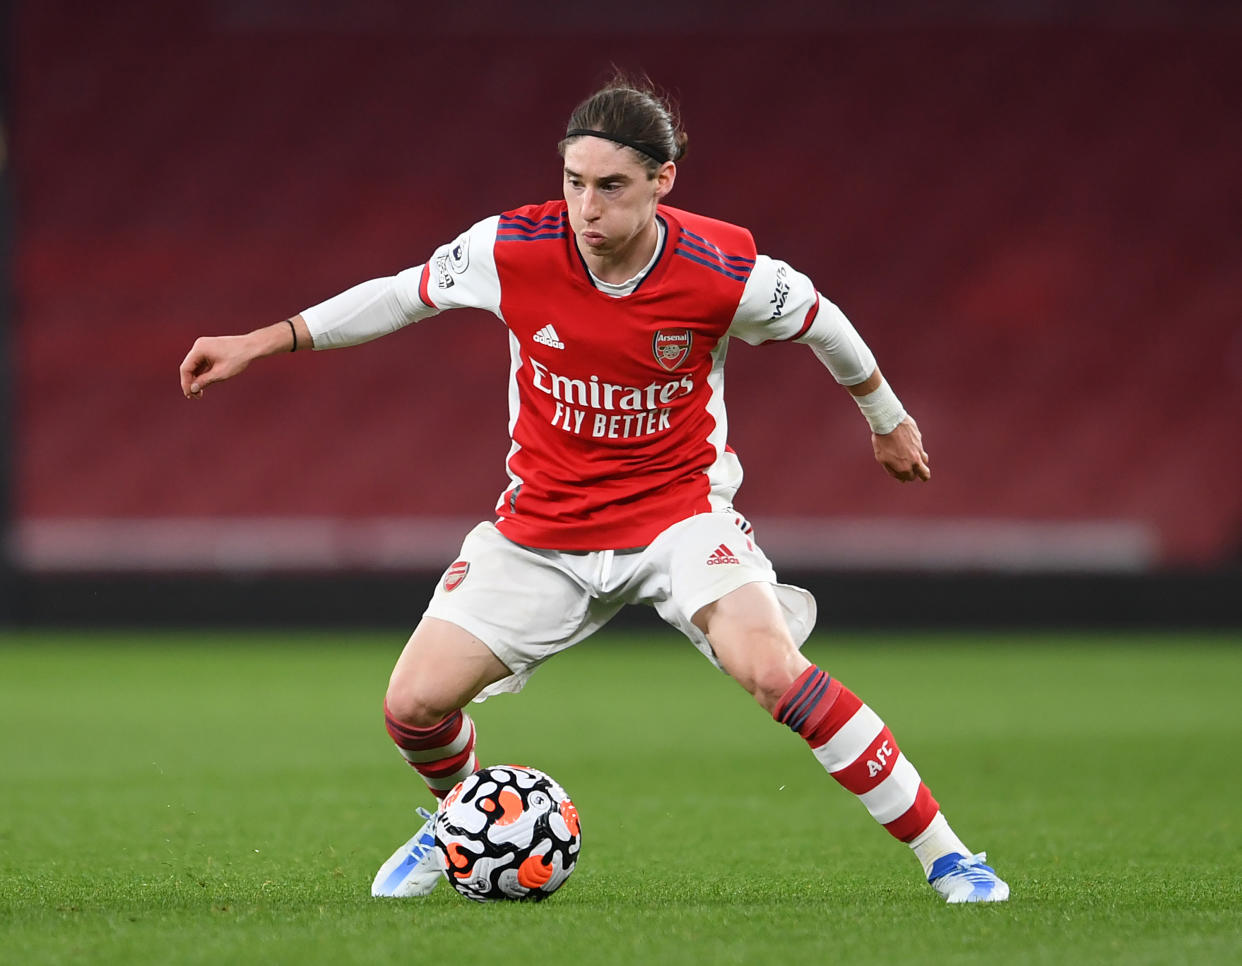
671, 347
456, 574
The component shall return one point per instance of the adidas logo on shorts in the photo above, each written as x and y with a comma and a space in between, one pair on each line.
547, 336
722, 555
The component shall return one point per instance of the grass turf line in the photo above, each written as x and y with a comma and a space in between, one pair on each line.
206, 798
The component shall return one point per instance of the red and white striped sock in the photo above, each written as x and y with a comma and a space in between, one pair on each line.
442, 754
859, 751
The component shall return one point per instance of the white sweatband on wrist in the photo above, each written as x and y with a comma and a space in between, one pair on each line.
882, 409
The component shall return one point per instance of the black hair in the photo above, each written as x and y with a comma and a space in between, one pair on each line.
632, 113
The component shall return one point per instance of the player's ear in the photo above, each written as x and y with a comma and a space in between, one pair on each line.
664, 178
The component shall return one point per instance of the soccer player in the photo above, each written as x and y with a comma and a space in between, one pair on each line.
619, 310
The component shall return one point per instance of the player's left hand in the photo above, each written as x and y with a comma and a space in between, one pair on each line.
901, 452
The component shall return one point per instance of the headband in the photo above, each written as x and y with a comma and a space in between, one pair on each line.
641, 149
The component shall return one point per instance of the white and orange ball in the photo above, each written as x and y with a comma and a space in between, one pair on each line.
508, 832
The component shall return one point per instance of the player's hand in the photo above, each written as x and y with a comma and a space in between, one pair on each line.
901, 452
214, 359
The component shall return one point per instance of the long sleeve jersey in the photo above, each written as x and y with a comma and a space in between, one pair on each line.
616, 404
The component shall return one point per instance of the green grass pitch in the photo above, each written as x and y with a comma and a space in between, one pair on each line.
213, 798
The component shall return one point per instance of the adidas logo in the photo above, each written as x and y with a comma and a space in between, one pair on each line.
722, 555
547, 336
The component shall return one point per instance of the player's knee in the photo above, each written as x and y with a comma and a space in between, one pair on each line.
763, 660
771, 677
413, 706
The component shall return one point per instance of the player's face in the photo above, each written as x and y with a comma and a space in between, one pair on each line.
612, 204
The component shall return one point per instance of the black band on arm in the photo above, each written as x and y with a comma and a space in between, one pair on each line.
294, 330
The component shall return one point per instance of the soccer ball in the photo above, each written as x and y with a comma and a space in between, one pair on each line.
507, 832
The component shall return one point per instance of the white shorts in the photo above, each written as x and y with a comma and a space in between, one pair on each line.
527, 604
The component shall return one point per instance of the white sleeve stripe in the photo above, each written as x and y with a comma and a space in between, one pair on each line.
854, 737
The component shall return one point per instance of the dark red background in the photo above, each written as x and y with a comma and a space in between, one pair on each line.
1035, 222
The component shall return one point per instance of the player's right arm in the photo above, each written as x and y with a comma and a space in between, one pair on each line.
215, 358
459, 274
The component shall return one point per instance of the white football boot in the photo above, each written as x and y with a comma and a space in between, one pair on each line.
964, 878
415, 868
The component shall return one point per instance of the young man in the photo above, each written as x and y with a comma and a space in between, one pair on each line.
619, 310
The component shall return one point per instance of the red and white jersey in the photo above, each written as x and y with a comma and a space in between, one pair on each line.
616, 404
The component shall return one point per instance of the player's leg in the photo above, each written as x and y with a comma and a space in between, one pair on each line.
751, 642
499, 611
441, 669
723, 594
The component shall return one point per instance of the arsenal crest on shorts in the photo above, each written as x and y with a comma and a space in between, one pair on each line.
671, 346
456, 574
